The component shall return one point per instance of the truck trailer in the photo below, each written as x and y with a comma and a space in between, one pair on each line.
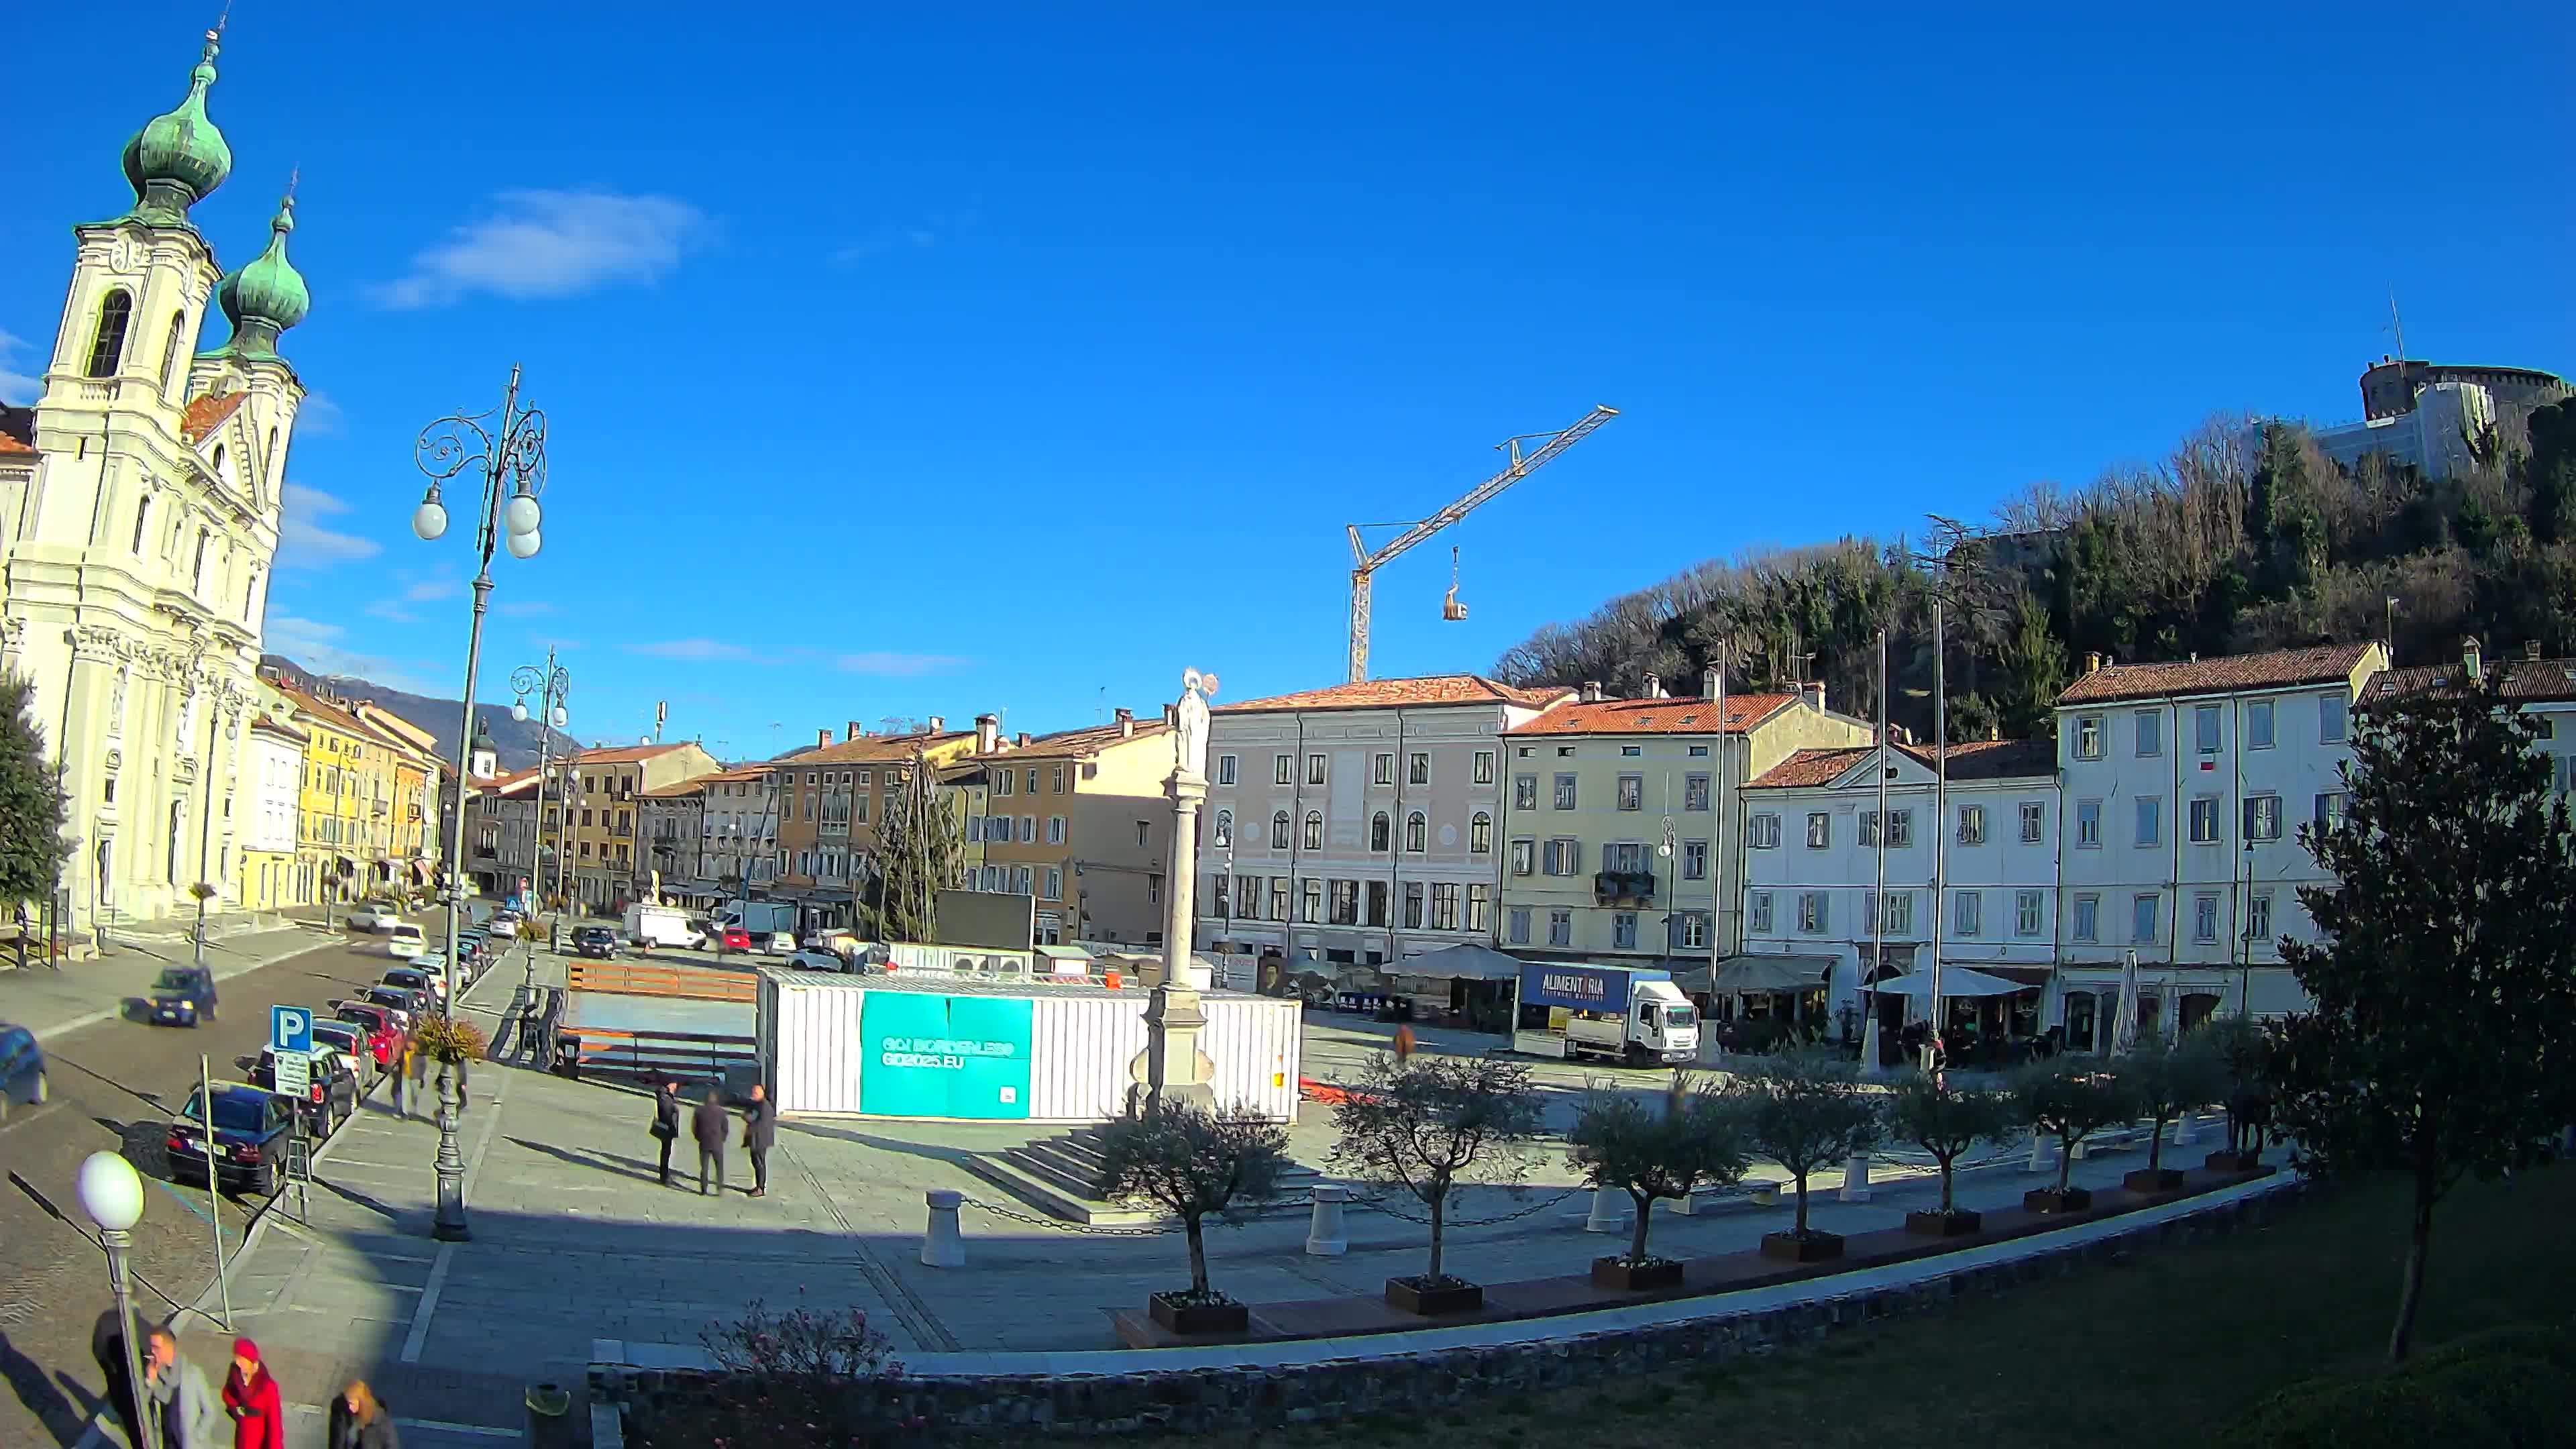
1629, 1014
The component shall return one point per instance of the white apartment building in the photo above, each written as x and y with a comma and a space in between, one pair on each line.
273, 760
2542, 688
1342, 824
2184, 786
738, 824
1814, 855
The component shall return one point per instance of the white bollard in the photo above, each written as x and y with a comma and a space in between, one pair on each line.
2184, 1131
1324, 1230
1609, 1211
1856, 1179
2038, 1151
942, 1244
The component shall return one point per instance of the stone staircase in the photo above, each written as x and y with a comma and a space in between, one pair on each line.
1055, 1175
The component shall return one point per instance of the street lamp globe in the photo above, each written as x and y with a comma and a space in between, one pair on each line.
429, 520
523, 545
561, 718
520, 514
111, 1192
519, 710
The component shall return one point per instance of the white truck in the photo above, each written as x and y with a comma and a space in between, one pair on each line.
662, 926
1634, 1016
762, 919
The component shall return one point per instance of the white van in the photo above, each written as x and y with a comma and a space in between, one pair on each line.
662, 926
406, 941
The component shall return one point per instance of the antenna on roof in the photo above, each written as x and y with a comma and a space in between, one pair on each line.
2397, 325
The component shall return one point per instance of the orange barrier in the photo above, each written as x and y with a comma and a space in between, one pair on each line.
1324, 1092
684, 983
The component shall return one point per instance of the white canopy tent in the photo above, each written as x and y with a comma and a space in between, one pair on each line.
1468, 962
1956, 981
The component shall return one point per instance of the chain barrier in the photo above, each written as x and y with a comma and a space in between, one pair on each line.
1383, 1203
1084, 1229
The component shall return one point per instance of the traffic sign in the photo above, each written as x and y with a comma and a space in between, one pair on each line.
290, 1029
294, 1075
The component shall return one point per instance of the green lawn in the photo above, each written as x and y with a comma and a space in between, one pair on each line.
2161, 1350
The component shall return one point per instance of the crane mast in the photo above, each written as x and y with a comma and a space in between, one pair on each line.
1364, 564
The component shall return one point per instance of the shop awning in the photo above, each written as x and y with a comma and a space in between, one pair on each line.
1956, 981
1450, 963
1739, 974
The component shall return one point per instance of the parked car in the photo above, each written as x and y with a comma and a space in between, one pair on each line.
368, 918
405, 940
406, 978
408, 1007
332, 1096
183, 996
598, 942
251, 1129
778, 943
817, 961
736, 939
356, 1044
384, 1035
22, 1070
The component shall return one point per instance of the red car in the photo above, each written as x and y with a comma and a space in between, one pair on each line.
382, 1039
737, 939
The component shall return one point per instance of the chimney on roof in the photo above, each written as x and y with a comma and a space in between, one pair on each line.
1126, 723
1024, 739
1654, 685
939, 724
822, 738
2531, 650
2472, 659
1708, 682
988, 733
2092, 661
1591, 692
1815, 694
854, 733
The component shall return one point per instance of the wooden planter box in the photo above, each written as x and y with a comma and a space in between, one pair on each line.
1613, 1274
1815, 1247
2232, 1162
2152, 1179
1956, 1224
2050, 1200
1199, 1318
1407, 1294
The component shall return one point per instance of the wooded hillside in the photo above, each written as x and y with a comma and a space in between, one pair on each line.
2227, 546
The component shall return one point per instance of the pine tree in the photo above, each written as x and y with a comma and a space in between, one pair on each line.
2444, 1035
32, 849
917, 858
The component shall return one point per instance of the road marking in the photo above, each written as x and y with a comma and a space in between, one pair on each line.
428, 1304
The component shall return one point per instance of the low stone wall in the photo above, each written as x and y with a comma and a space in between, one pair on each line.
1558, 1355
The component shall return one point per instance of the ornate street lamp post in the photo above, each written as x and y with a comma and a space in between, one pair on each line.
111, 1192
550, 686
507, 450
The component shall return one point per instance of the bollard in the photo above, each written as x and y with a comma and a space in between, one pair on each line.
2038, 1151
1609, 1211
2079, 1154
1856, 1179
549, 1424
1324, 1237
942, 1245
2184, 1133
1766, 1194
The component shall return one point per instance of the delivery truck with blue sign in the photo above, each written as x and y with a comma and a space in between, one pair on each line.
1635, 1016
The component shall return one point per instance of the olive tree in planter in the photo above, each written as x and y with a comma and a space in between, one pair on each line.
2069, 1101
1945, 1120
1193, 1163
1426, 1127
1807, 1111
1694, 1138
2163, 1082
2243, 1052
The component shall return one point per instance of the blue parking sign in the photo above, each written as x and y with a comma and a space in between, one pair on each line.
290, 1028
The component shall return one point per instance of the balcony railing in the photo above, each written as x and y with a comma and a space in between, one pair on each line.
1623, 886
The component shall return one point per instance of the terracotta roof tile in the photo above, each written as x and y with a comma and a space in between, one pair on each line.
2277, 669
625, 754
1683, 715
674, 792
1077, 744
1970, 761
1429, 689
17, 430
2533, 680
865, 750
206, 414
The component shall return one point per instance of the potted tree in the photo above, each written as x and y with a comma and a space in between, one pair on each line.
1806, 1111
1192, 1163
1697, 1137
2244, 1054
2069, 1101
1426, 1127
2163, 1083
1946, 1121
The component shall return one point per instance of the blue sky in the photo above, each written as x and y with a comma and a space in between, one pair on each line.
936, 359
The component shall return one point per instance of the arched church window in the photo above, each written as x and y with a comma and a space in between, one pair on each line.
107, 344
171, 381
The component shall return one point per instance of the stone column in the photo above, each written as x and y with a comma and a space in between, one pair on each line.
1173, 1068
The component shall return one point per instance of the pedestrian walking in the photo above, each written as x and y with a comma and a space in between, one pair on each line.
759, 1134
402, 1083
107, 1350
666, 1123
418, 1063
359, 1422
182, 1405
707, 1124
251, 1397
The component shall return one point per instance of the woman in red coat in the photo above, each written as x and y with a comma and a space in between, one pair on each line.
251, 1397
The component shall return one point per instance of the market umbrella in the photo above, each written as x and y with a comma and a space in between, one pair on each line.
2124, 1027
1955, 981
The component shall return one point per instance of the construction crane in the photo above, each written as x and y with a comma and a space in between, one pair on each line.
1364, 564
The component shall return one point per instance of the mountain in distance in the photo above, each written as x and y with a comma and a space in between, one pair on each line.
514, 742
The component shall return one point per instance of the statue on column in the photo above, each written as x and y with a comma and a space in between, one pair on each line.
1193, 712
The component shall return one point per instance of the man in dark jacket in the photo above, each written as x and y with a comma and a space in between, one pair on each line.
759, 1134
107, 1349
708, 1124
666, 1124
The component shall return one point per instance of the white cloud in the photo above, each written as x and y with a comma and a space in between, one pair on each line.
317, 647
319, 417
302, 543
525, 608
882, 662
391, 611
15, 387
540, 244
700, 651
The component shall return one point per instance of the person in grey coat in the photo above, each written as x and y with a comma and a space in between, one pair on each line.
183, 1405
759, 1134
708, 1124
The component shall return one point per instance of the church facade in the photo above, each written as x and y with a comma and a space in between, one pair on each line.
138, 525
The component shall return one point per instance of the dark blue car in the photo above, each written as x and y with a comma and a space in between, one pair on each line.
22, 1069
183, 996
252, 1128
